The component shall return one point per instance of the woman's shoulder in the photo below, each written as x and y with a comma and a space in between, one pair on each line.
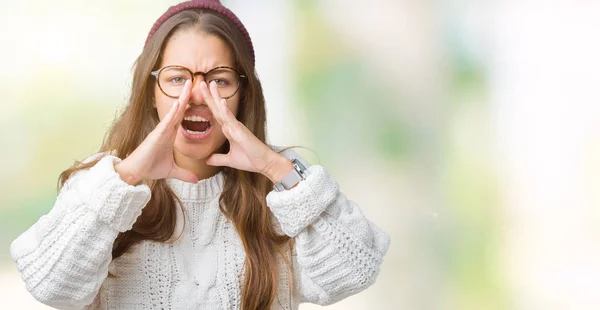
98, 155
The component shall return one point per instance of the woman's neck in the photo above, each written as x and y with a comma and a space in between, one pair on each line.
197, 166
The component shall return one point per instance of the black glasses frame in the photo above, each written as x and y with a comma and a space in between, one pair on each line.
193, 74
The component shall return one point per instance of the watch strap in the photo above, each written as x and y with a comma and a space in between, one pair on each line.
297, 174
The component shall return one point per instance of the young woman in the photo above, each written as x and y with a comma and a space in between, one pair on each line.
185, 206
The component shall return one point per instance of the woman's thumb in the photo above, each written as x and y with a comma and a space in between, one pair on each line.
217, 160
183, 175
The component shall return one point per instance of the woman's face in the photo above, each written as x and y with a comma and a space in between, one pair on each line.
196, 51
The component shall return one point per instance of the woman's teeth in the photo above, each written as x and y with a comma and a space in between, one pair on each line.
195, 118
196, 132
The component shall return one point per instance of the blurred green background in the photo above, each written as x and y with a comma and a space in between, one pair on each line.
467, 130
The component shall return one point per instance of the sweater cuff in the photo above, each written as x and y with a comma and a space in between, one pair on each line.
114, 201
299, 207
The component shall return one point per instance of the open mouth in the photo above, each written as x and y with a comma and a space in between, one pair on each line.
196, 125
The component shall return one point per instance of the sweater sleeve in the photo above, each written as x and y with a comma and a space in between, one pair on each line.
337, 251
63, 258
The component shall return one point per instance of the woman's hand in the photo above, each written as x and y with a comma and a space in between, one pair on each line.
153, 158
246, 151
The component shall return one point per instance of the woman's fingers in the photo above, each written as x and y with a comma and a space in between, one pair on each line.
208, 98
163, 125
221, 104
220, 110
174, 117
183, 101
228, 114
216, 97
153, 158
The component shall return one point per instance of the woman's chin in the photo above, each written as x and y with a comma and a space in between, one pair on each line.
193, 151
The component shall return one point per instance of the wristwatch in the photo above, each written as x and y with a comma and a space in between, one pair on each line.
297, 174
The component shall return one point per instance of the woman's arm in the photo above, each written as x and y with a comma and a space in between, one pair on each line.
63, 258
337, 250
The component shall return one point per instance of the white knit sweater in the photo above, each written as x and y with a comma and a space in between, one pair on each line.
64, 258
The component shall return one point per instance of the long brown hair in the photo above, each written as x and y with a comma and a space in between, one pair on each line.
243, 200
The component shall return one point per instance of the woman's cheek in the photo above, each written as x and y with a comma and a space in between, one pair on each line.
162, 110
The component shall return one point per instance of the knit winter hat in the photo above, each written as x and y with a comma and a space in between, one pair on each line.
213, 5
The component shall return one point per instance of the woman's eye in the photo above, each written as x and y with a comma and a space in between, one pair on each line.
219, 82
177, 80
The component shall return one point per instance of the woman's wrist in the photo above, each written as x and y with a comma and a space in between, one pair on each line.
127, 175
279, 166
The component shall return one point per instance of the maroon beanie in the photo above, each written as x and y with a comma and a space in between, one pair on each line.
213, 5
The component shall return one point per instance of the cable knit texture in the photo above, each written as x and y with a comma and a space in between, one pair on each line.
65, 257
314, 195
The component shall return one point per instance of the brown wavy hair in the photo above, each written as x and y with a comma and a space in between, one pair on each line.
243, 200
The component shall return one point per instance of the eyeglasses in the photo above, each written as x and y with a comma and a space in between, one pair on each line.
172, 78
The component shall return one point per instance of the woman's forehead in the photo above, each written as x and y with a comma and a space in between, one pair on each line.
196, 50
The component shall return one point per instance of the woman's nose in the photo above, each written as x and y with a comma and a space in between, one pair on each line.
196, 97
